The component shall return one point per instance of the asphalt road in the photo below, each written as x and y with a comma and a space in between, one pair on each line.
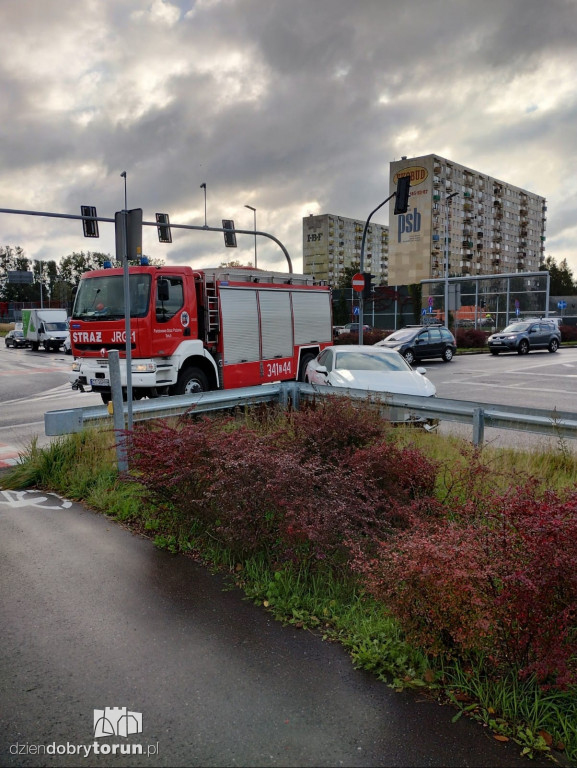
94, 616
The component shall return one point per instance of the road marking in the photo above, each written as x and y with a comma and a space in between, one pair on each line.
17, 499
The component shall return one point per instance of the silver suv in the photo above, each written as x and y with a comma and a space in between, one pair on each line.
523, 336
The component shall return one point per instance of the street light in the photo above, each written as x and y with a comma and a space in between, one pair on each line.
448, 200
254, 212
203, 186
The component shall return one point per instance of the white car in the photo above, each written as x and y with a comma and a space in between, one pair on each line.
377, 369
67, 349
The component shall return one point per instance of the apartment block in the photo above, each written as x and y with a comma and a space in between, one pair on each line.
331, 243
486, 225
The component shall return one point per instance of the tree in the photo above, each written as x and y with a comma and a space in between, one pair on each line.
346, 278
73, 266
13, 259
234, 263
562, 281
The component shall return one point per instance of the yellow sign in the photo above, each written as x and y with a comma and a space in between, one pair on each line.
417, 173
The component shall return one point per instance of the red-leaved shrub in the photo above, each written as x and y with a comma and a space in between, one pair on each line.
329, 476
568, 332
505, 587
470, 338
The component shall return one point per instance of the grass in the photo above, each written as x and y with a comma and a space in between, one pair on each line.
82, 467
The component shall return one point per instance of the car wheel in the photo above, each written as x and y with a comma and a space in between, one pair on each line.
409, 356
305, 360
447, 355
523, 348
190, 381
553, 345
494, 352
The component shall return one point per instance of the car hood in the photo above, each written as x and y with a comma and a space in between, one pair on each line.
396, 382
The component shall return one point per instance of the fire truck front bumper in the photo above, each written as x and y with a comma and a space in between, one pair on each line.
96, 374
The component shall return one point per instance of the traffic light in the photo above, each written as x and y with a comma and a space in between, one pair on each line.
402, 194
368, 289
132, 249
90, 226
230, 234
164, 233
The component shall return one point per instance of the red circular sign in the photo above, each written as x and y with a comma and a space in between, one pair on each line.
358, 282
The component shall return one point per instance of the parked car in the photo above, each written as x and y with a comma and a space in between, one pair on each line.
15, 339
523, 336
417, 342
353, 328
368, 367
66, 348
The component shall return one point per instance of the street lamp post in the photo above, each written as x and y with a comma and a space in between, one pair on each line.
254, 212
448, 200
203, 186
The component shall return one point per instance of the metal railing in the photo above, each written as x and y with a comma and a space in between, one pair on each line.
558, 424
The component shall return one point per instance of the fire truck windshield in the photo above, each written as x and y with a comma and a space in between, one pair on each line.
102, 298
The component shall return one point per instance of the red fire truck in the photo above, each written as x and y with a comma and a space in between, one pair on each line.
197, 330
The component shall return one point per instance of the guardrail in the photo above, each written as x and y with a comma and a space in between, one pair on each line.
559, 424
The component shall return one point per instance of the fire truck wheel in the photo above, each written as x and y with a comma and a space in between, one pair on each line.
191, 380
305, 360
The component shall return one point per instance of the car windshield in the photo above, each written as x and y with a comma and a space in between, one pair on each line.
516, 327
402, 335
102, 298
362, 361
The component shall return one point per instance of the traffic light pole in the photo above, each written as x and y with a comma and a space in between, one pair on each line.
362, 265
155, 224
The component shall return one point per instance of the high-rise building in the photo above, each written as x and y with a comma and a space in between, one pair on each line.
331, 243
486, 225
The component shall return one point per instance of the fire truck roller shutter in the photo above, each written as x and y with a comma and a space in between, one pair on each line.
312, 316
276, 325
239, 312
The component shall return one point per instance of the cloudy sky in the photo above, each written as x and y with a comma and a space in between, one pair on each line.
291, 106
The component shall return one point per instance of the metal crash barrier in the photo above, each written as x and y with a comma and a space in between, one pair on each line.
558, 424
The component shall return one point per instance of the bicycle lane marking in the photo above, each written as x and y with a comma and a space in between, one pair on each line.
16, 499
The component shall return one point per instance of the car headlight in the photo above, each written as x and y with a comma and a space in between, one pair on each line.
76, 365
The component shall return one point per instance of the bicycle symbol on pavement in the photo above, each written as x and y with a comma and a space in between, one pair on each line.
33, 498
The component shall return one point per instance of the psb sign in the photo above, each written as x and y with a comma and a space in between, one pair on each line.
408, 225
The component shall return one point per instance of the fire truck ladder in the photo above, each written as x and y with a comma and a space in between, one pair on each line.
211, 313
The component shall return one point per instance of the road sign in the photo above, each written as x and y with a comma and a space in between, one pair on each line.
562, 304
423, 311
20, 276
430, 301
355, 310
358, 282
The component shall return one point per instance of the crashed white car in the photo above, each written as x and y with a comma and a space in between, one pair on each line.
377, 369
